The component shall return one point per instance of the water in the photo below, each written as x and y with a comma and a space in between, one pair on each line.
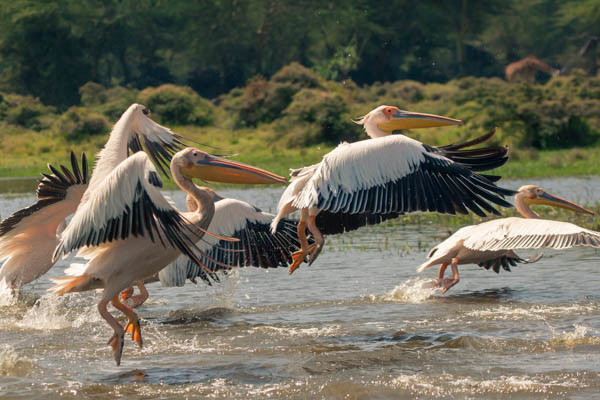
358, 324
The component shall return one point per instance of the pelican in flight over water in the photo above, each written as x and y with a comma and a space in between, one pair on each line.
369, 181
491, 244
29, 236
257, 246
124, 219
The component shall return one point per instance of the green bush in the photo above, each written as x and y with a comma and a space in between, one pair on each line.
316, 116
25, 111
178, 105
112, 102
78, 122
262, 101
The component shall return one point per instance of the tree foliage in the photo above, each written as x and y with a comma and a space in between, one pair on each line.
50, 49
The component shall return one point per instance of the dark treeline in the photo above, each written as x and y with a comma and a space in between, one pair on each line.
50, 49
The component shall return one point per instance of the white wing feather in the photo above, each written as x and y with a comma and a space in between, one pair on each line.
521, 233
110, 199
361, 165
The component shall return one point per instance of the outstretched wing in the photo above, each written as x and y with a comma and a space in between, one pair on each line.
396, 174
521, 233
257, 245
29, 235
128, 202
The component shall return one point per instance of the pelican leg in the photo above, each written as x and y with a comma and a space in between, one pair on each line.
127, 293
118, 339
440, 280
299, 256
133, 325
448, 283
315, 249
139, 299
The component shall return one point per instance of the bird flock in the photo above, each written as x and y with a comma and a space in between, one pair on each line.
118, 215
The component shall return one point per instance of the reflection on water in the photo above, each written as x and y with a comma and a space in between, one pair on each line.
359, 323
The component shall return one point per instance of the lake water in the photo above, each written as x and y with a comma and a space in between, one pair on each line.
358, 324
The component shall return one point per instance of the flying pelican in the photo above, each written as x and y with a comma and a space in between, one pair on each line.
376, 179
116, 228
28, 236
491, 244
257, 246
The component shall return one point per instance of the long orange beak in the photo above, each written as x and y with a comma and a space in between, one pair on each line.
413, 120
217, 169
554, 201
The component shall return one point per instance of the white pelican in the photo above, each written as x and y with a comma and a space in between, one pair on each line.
118, 224
491, 244
388, 175
257, 246
28, 236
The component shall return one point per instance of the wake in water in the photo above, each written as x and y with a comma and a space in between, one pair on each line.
414, 290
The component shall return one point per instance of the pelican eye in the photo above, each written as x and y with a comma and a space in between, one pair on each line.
146, 111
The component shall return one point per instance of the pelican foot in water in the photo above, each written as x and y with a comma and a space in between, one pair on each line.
447, 283
301, 256
134, 328
117, 341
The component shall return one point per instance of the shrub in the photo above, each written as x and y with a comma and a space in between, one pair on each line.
78, 122
25, 111
316, 116
112, 102
264, 101
297, 76
177, 105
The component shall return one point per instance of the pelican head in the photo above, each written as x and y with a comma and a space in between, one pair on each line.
532, 194
194, 163
387, 119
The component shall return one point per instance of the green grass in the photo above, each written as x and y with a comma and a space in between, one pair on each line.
26, 153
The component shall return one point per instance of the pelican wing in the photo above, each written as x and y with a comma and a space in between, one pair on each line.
521, 233
128, 202
257, 246
159, 142
506, 261
29, 235
396, 174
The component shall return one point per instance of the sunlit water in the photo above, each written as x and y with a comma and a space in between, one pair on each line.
359, 323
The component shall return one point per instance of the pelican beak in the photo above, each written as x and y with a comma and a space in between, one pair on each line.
217, 169
413, 120
549, 200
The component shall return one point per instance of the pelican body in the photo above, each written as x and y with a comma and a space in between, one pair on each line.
491, 244
383, 177
257, 246
29, 237
126, 220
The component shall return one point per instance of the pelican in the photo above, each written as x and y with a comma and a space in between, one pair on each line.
257, 246
376, 179
28, 236
126, 214
491, 244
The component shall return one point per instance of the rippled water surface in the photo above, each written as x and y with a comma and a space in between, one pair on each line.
358, 324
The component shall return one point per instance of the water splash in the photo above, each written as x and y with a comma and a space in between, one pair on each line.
60, 312
415, 290
11, 364
578, 336
7, 296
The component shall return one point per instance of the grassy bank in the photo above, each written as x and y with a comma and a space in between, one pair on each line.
25, 153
